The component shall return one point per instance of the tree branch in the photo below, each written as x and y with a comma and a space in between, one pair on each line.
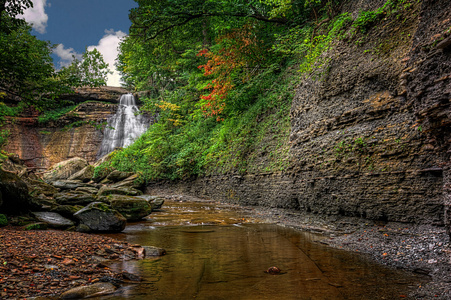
190, 17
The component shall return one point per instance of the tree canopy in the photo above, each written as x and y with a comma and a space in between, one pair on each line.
91, 70
27, 73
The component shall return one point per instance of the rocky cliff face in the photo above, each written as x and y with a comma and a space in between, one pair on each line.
370, 132
78, 133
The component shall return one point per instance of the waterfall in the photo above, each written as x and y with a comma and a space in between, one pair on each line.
124, 127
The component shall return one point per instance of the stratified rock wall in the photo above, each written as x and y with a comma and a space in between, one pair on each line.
370, 132
77, 134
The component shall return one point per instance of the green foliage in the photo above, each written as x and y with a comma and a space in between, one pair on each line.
102, 171
3, 220
221, 76
25, 63
9, 111
4, 134
14, 7
202, 146
91, 70
26, 69
366, 19
37, 226
53, 115
27, 74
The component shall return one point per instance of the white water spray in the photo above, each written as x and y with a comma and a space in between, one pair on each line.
124, 127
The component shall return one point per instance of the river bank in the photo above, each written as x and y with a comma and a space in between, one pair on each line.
46, 263
421, 249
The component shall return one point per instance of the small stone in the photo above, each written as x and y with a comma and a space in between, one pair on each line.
273, 271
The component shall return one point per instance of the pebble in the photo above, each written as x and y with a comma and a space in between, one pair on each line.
56, 261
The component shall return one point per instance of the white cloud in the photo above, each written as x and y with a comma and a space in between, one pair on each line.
108, 47
36, 15
65, 55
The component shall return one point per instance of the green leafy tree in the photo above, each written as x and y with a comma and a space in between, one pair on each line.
12, 8
91, 70
154, 17
26, 68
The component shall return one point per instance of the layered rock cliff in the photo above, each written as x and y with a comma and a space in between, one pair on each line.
78, 133
370, 134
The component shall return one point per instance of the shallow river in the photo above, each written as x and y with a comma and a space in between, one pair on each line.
218, 252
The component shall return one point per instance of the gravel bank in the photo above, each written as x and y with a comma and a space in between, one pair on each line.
417, 248
46, 263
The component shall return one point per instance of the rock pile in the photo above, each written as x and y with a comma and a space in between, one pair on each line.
71, 196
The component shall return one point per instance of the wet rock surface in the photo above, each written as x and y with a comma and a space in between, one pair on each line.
151, 251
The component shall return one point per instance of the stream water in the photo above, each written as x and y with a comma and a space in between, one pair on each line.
216, 251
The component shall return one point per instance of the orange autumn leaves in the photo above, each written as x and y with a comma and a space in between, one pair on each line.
225, 65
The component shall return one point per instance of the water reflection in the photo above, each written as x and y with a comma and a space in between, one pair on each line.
227, 260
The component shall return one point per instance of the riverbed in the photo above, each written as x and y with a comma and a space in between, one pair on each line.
217, 251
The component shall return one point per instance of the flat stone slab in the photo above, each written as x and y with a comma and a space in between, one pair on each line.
54, 220
96, 289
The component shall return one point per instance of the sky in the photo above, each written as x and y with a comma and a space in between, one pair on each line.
77, 25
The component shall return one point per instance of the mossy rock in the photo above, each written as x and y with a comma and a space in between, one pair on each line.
132, 208
74, 198
108, 190
67, 211
101, 173
37, 226
37, 187
3, 220
65, 169
116, 176
84, 175
100, 217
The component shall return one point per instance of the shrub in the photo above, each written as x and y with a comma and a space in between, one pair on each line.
3, 220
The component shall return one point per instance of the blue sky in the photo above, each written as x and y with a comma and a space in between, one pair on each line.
75, 25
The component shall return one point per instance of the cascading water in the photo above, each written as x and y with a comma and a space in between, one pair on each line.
124, 127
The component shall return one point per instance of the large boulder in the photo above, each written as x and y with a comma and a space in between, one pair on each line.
65, 169
53, 219
108, 190
101, 217
132, 208
84, 174
74, 198
14, 196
